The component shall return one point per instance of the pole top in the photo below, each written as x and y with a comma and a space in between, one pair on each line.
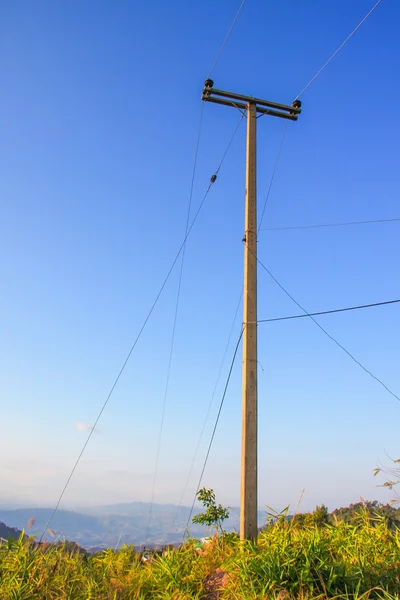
285, 111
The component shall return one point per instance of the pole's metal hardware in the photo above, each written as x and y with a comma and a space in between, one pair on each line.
284, 111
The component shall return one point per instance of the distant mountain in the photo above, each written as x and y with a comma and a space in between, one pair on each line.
65, 524
131, 509
114, 525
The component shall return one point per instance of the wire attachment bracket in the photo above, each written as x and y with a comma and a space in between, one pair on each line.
266, 107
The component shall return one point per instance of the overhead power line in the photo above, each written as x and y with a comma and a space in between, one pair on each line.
345, 223
226, 38
307, 314
338, 49
178, 294
329, 312
150, 312
114, 385
176, 314
208, 410
215, 425
271, 181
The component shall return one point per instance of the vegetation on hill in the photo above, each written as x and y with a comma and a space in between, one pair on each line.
351, 514
128, 524
7, 533
292, 559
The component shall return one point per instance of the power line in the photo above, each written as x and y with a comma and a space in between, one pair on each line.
171, 350
338, 49
215, 425
140, 331
208, 409
127, 359
226, 348
273, 174
181, 272
229, 144
175, 319
226, 38
329, 312
330, 224
307, 314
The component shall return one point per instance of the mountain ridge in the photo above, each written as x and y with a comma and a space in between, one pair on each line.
114, 525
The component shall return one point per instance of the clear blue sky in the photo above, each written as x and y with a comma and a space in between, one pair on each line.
99, 113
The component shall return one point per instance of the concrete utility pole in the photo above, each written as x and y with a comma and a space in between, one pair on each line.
248, 497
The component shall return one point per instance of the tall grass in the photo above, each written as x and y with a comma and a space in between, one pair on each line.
289, 561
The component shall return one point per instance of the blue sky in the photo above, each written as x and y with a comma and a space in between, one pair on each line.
99, 118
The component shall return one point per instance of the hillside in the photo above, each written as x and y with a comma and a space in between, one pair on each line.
118, 524
290, 561
9, 533
114, 525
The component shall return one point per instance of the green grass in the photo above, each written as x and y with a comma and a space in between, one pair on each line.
358, 560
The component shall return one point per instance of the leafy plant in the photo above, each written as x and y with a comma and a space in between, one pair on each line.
215, 514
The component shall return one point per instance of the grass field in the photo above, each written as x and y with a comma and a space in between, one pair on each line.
290, 560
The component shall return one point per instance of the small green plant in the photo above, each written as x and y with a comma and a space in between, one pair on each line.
215, 514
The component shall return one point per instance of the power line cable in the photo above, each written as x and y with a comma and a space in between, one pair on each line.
330, 224
226, 38
213, 179
226, 349
273, 174
127, 358
208, 410
215, 426
229, 144
183, 253
338, 49
328, 334
329, 312
171, 350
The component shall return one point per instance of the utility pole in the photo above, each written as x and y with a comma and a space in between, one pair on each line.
252, 106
